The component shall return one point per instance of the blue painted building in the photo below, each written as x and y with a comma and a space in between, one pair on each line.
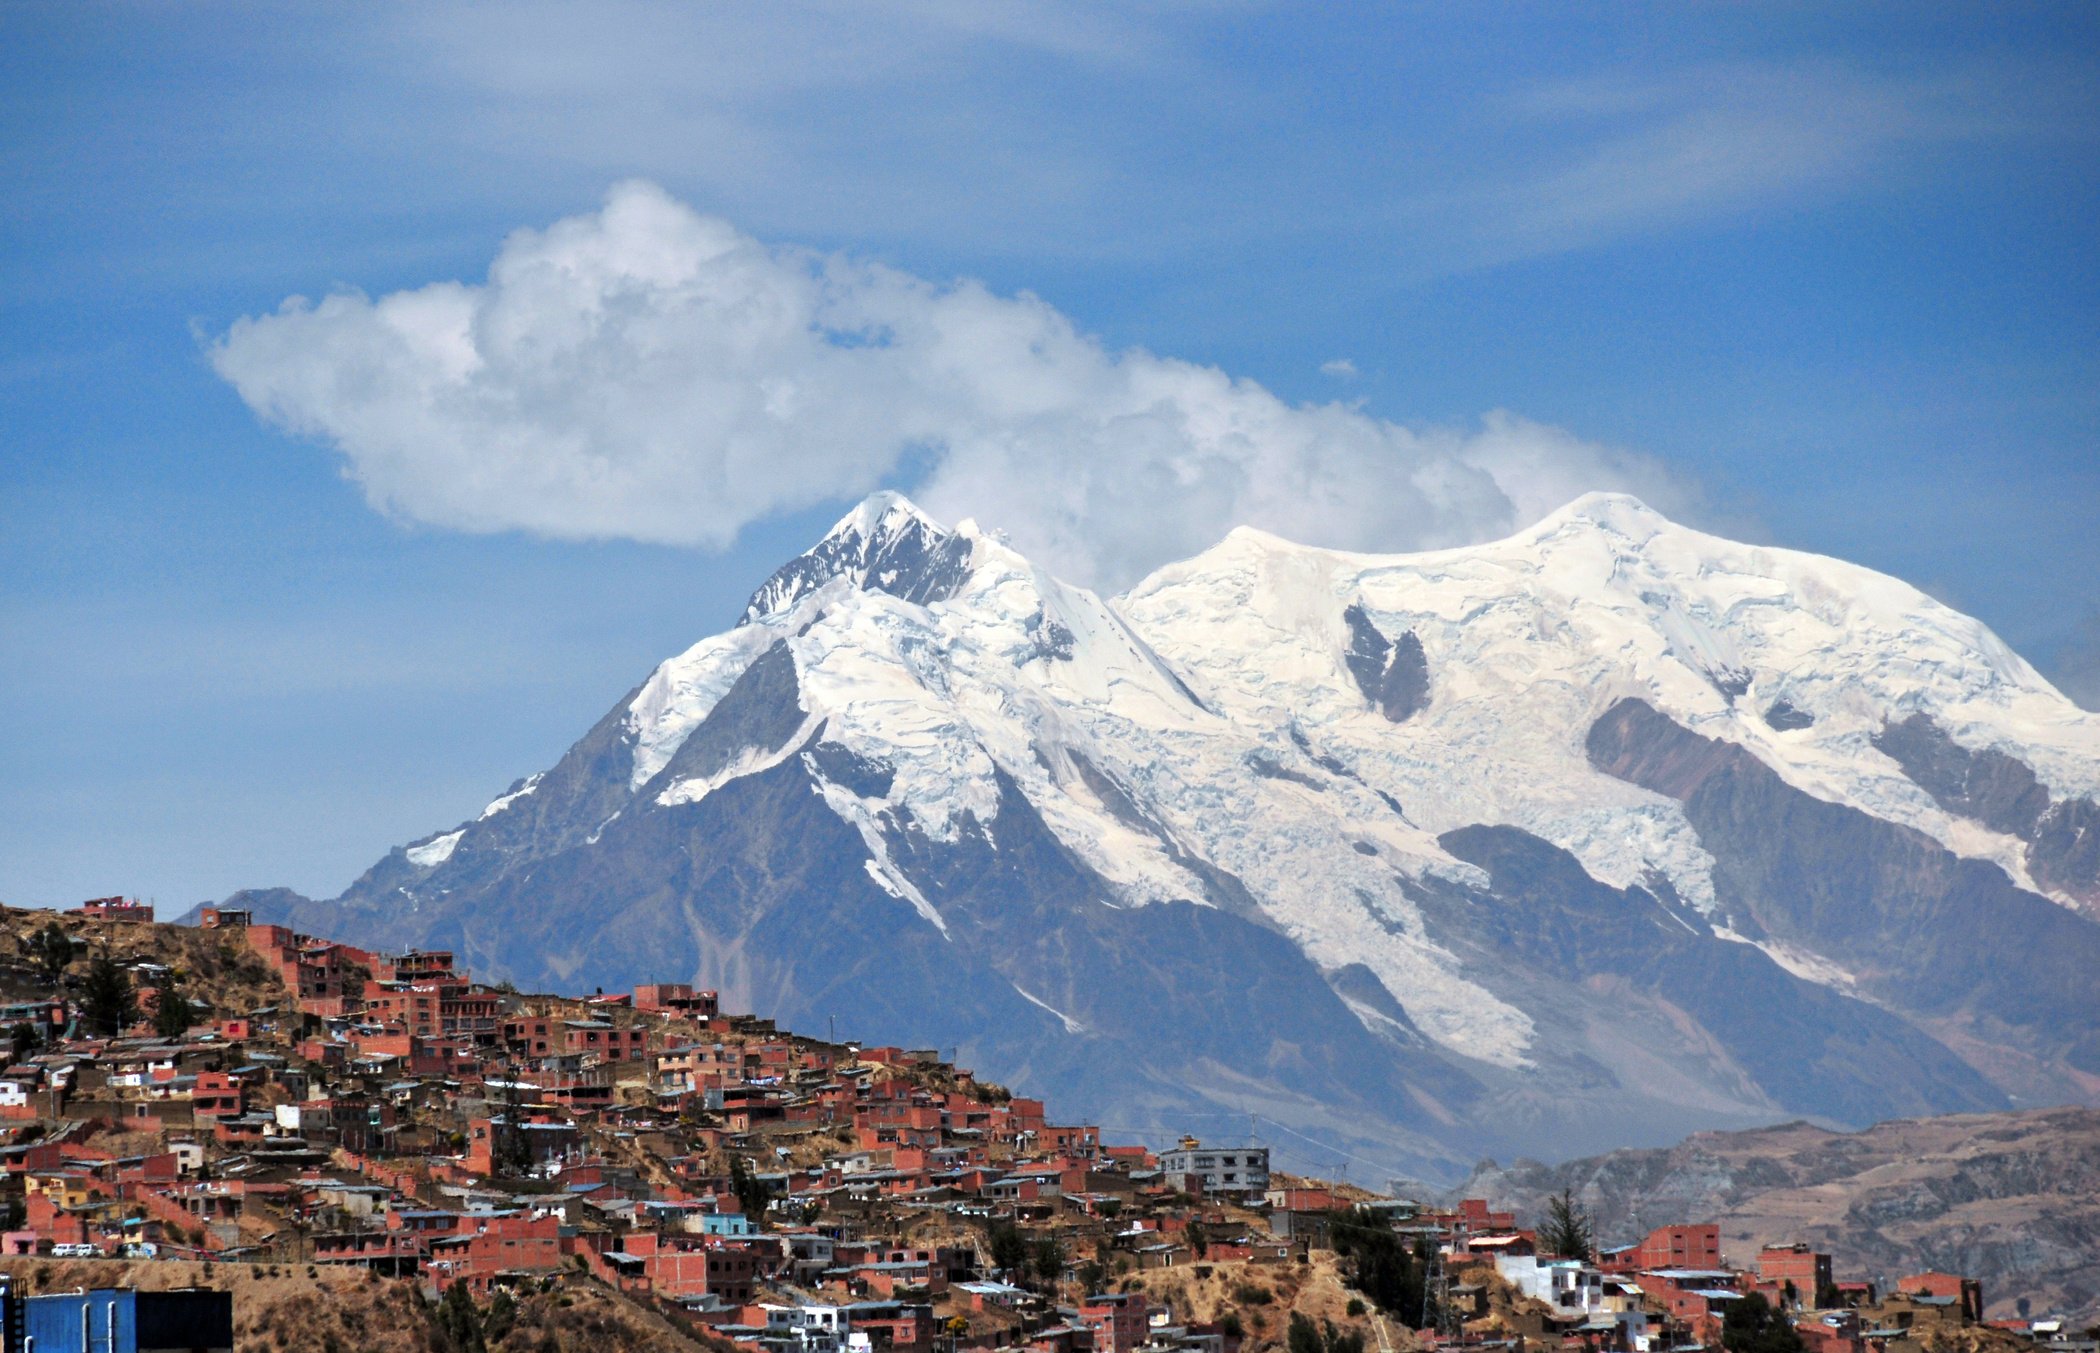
112, 1320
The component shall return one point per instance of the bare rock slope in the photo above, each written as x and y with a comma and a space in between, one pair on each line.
2010, 1198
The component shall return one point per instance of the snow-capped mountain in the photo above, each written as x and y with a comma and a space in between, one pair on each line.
1596, 834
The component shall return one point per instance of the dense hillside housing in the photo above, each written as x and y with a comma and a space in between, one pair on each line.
387, 1113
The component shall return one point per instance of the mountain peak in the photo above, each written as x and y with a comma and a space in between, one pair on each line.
884, 513
886, 544
1618, 513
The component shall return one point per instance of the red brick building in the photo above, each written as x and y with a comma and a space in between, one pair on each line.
729, 1273
502, 1246
542, 1036
1795, 1269
116, 909
1668, 1247
1117, 1319
217, 1095
677, 998
1967, 1293
1698, 1298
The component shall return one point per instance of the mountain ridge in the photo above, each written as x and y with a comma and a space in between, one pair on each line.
1000, 780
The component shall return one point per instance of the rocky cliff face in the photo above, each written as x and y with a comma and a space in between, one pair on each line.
1609, 831
1952, 941
2010, 1198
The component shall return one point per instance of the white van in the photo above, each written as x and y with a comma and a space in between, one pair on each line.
75, 1250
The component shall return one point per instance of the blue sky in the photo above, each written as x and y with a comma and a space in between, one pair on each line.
1827, 279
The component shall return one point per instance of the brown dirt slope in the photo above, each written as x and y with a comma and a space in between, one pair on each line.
217, 968
2010, 1198
1266, 1296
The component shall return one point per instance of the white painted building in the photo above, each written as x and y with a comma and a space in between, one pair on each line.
806, 1329
1196, 1168
1567, 1285
1572, 1287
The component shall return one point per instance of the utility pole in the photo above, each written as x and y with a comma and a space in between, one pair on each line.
1437, 1312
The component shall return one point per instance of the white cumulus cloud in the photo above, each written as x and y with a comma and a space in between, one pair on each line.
645, 371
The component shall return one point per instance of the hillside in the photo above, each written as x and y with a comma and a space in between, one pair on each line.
2012, 1199
337, 1237
217, 972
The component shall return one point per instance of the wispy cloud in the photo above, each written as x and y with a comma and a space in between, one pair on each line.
651, 373
963, 120
1589, 160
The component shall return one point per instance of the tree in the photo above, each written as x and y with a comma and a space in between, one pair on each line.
1567, 1232
502, 1314
53, 949
509, 1152
173, 1011
107, 1002
22, 1040
753, 1195
1009, 1246
1752, 1326
459, 1323
1049, 1258
1198, 1237
1306, 1337
1380, 1266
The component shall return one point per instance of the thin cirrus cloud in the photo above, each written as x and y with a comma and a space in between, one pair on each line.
651, 373
1604, 157
1070, 127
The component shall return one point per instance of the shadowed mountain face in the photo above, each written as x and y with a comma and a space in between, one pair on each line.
1392, 674
2001, 792
1361, 848
1949, 941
